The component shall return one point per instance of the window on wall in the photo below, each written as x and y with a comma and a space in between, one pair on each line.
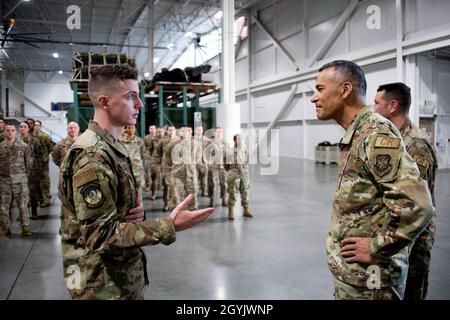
204, 47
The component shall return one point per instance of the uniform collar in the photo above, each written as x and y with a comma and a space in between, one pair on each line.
113, 142
405, 126
351, 130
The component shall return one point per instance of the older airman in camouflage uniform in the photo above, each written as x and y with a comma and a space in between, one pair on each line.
136, 150
147, 160
155, 162
236, 164
381, 204
48, 146
61, 148
34, 175
200, 161
166, 167
393, 101
183, 174
15, 163
214, 154
102, 218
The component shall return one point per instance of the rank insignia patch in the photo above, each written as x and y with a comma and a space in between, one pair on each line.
93, 196
383, 165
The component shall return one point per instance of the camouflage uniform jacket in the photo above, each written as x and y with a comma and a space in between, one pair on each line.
148, 144
36, 152
166, 160
136, 152
423, 153
202, 142
47, 144
181, 152
97, 189
15, 162
61, 149
156, 151
215, 152
379, 195
237, 159
2, 136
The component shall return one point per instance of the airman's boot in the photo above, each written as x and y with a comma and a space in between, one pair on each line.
230, 213
4, 233
247, 213
34, 213
26, 231
224, 201
212, 202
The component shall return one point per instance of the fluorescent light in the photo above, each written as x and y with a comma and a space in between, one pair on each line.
147, 74
188, 34
218, 15
170, 46
55, 55
26, 0
155, 60
60, 72
3, 50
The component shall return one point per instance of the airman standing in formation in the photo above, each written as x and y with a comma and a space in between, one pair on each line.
48, 147
381, 204
136, 151
215, 153
183, 174
166, 167
2, 129
236, 165
155, 162
148, 144
35, 174
61, 148
200, 161
392, 101
15, 163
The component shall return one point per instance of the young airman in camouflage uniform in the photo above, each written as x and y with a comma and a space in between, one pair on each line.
381, 204
200, 162
155, 162
15, 163
166, 167
214, 154
34, 175
48, 146
61, 148
147, 160
102, 217
136, 150
237, 171
183, 174
393, 101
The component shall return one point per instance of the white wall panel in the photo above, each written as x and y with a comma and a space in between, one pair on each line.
425, 14
360, 35
296, 111
319, 33
289, 16
269, 104
243, 104
376, 75
290, 141
322, 10
263, 63
295, 45
241, 74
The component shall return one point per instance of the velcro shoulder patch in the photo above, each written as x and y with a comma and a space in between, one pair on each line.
383, 141
85, 176
421, 160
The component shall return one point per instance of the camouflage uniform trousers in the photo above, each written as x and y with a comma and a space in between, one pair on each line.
202, 171
182, 185
166, 184
148, 170
45, 182
419, 264
10, 192
155, 181
216, 176
35, 186
344, 291
235, 177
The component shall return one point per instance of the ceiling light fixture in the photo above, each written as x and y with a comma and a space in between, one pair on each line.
55, 55
60, 72
147, 74
188, 34
155, 60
